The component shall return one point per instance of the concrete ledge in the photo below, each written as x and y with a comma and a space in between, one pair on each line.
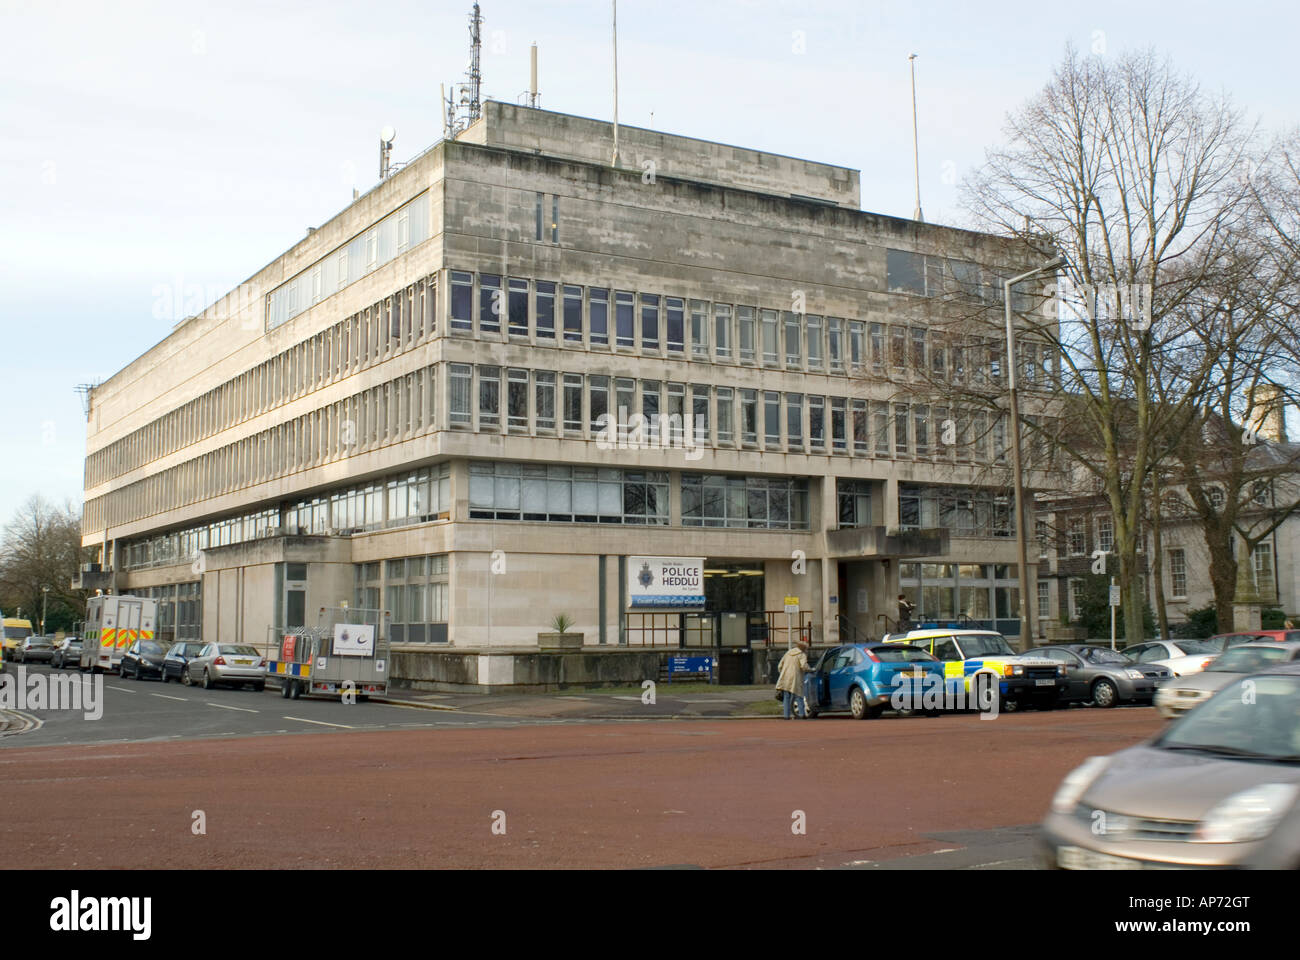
521, 670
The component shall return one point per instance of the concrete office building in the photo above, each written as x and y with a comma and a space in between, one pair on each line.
403, 410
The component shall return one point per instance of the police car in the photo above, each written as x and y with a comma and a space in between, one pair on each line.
983, 657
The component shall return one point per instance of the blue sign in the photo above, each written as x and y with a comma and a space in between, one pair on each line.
689, 665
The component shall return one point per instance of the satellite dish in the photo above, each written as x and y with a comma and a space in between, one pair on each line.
387, 134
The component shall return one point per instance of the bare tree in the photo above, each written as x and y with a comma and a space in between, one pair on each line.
42, 549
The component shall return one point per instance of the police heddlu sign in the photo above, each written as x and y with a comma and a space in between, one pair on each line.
665, 583
354, 639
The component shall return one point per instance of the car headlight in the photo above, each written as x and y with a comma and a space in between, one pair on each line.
1012, 670
1133, 674
1061, 671
1249, 815
1076, 782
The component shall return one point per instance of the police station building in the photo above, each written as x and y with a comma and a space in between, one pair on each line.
514, 380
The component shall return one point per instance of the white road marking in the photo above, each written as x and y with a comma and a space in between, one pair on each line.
222, 706
124, 689
321, 722
165, 697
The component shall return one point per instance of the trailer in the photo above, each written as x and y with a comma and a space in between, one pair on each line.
345, 655
113, 623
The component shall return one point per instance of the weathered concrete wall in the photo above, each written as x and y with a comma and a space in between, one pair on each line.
506, 671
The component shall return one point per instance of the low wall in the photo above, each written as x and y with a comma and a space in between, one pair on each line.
519, 671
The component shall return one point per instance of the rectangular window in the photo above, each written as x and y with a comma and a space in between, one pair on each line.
725, 415
1044, 599
857, 344
794, 421
649, 321
459, 389
793, 345
572, 314
489, 397
462, 301
880, 427
900, 430
835, 343
722, 330
1075, 541
769, 322
860, 428
650, 405
814, 342
839, 425
490, 306
625, 319
676, 410
573, 403
544, 399
700, 413
537, 215
545, 307
1106, 534
675, 310
598, 315
877, 333
1076, 593
517, 400
518, 307
598, 389
746, 339
1177, 575
921, 429
771, 419
700, 329
817, 422
918, 350
898, 346
905, 271
555, 218
749, 416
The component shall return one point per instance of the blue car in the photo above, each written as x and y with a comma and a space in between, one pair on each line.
862, 677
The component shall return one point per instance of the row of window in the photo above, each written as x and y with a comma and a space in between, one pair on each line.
386, 413
944, 591
413, 590
401, 230
627, 412
390, 327
963, 511
548, 312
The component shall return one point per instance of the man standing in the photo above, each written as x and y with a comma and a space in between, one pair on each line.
905, 609
790, 680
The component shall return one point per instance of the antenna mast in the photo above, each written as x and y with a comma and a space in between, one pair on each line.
465, 105
614, 162
475, 70
916, 156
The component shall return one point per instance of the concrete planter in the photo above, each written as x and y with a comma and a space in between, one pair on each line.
560, 641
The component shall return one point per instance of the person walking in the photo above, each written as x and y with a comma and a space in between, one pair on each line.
790, 679
905, 608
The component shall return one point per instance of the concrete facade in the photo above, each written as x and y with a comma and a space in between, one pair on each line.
321, 381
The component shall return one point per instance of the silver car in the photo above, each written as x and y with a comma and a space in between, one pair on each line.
66, 652
35, 649
1220, 787
228, 663
1175, 697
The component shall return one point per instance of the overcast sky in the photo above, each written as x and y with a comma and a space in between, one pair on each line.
155, 152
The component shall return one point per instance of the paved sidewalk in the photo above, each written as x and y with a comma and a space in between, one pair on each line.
624, 703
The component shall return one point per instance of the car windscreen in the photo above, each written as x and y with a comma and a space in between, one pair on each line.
1260, 721
150, 648
17, 633
984, 645
1103, 655
1197, 648
901, 653
1248, 659
237, 650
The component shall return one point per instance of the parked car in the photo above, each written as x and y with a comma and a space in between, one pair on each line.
230, 663
143, 659
67, 651
1225, 640
35, 649
1220, 787
1177, 698
178, 655
1183, 657
1103, 676
985, 656
862, 678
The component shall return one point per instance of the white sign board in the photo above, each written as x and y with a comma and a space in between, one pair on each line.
665, 583
1114, 596
354, 639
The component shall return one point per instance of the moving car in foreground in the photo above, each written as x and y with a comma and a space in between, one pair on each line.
1219, 787
1174, 698
1104, 676
66, 652
982, 656
862, 677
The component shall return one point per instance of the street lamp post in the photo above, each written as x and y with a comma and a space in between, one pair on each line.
1022, 537
45, 607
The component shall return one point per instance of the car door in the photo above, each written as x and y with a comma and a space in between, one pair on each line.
195, 665
1078, 677
839, 676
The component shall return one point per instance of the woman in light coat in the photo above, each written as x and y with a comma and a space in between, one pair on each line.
790, 679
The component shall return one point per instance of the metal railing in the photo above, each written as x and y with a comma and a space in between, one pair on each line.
850, 632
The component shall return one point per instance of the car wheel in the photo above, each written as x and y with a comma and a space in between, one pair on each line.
1104, 693
162, 675
295, 690
207, 680
186, 679
284, 689
858, 705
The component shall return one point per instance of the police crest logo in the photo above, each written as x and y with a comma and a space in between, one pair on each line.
645, 578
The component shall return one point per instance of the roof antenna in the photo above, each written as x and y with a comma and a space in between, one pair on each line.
916, 156
534, 98
475, 72
386, 136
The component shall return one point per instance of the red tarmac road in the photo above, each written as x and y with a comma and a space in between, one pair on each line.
712, 793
